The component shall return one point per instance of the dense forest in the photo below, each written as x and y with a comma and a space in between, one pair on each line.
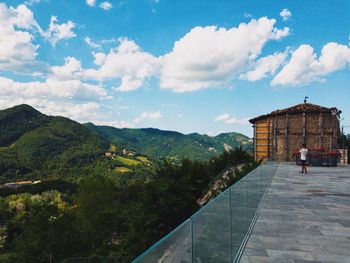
93, 197
103, 216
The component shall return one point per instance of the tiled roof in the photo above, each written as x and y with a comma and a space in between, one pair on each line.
300, 108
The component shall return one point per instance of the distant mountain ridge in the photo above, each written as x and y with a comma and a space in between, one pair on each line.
170, 144
34, 145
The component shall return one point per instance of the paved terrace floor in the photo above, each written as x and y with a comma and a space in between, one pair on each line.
304, 218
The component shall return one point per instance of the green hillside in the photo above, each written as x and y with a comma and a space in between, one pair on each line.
33, 144
36, 146
158, 143
16, 121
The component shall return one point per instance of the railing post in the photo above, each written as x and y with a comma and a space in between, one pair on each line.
247, 203
191, 230
261, 185
231, 243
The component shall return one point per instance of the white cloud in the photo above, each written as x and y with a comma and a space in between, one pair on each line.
212, 57
264, 66
18, 27
57, 95
228, 119
57, 32
110, 41
117, 123
222, 117
104, 43
234, 120
61, 90
82, 112
129, 83
17, 51
100, 58
91, 43
71, 70
285, 14
205, 57
334, 57
20, 17
51, 89
149, 116
247, 15
106, 5
126, 62
278, 34
32, 2
91, 2
211, 134
304, 66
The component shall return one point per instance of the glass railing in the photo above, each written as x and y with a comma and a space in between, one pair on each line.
219, 230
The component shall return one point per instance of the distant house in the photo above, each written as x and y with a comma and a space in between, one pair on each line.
278, 134
14, 185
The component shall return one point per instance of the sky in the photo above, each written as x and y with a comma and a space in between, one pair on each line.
189, 66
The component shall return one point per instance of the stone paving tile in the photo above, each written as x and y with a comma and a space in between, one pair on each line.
280, 256
254, 259
304, 218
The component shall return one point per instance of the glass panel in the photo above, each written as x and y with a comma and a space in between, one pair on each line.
253, 193
174, 248
216, 232
211, 231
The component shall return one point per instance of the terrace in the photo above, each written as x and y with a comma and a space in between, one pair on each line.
271, 215
304, 218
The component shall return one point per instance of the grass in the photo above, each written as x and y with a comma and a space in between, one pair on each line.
112, 148
143, 159
122, 170
4, 149
5, 257
128, 161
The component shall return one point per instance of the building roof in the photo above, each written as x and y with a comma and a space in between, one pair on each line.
300, 108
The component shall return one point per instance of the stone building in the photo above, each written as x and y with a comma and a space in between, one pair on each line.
279, 134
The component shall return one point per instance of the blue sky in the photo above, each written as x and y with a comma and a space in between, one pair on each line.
190, 66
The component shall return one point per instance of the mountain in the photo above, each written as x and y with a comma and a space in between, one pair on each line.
33, 144
158, 143
16, 121
36, 146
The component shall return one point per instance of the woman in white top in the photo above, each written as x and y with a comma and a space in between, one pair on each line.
303, 156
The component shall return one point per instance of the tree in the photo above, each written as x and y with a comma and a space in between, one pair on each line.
96, 209
44, 232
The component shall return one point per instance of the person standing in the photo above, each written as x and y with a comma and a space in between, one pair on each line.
303, 156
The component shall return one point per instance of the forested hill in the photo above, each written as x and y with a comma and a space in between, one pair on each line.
36, 145
169, 144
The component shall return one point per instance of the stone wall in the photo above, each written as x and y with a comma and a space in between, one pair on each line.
319, 133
